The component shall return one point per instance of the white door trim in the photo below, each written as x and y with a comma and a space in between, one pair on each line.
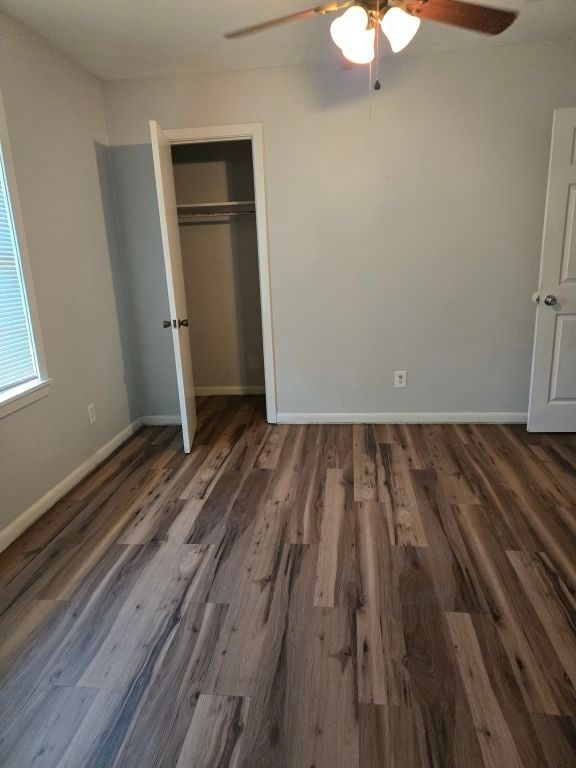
252, 132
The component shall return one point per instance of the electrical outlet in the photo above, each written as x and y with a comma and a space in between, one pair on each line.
399, 379
91, 413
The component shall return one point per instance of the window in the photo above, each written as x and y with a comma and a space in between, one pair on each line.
22, 373
17, 353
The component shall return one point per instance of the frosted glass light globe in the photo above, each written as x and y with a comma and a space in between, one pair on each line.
360, 50
399, 27
349, 26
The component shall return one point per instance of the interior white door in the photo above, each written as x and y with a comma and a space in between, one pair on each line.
175, 279
553, 389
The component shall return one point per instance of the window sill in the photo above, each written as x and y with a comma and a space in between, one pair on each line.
25, 394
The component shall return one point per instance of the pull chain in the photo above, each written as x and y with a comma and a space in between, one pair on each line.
377, 34
375, 21
370, 91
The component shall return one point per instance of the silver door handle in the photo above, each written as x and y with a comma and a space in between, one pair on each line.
166, 323
183, 322
550, 300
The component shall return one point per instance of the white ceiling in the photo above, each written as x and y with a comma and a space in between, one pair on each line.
127, 38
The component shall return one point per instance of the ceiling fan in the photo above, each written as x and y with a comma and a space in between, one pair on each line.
355, 31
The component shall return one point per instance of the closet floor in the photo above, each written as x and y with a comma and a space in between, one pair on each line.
299, 597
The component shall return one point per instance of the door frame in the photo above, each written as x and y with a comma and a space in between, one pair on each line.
253, 133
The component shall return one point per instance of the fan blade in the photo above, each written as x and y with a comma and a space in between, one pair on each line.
319, 10
480, 18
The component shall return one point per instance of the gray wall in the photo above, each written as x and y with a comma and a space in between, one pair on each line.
406, 241
56, 123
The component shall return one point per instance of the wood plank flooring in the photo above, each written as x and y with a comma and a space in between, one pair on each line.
299, 597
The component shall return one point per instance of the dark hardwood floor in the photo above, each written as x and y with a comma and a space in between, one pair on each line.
299, 597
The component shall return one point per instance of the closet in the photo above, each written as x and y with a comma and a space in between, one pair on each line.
214, 185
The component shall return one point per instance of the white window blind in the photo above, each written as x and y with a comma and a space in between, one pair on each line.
17, 355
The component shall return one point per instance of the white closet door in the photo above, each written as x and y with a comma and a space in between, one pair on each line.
175, 280
553, 391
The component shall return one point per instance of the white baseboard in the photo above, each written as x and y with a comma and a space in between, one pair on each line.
30, 515
160, 421
232, 390
432, 417
460, 417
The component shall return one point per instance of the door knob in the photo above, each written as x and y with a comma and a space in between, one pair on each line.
166, 323
183, 322
550, 300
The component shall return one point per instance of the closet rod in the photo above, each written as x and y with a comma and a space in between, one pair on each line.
205, 218
218, 204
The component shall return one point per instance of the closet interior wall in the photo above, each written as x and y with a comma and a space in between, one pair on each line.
220, 257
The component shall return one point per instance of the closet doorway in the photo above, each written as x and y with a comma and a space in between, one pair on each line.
211, 199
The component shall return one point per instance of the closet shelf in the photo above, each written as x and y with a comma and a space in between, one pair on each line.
193, 213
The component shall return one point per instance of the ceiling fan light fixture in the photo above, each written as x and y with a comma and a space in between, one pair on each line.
349, 27
360, 50
399, 27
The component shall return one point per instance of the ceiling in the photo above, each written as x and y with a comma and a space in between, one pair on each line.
130, 38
